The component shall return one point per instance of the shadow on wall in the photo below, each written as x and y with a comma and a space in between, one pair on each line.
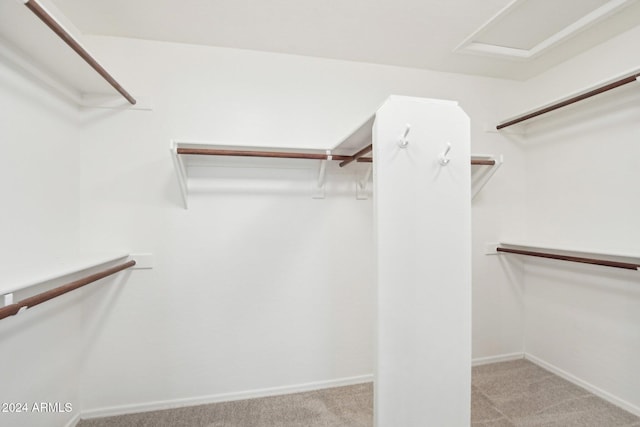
609, 281
257, 178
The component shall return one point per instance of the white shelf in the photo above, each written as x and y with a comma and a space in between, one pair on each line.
35, 272
30, 45
359, 138
355, 141
568, 249
279, 174
602, 254
594, 90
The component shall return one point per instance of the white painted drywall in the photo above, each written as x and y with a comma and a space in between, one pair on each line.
256, 288
583, 170
39, 216
423, 264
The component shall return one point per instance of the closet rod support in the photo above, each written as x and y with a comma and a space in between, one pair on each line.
8, 299
362, 184
495, 165
321, 176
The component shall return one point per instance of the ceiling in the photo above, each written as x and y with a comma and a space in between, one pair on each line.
514, 39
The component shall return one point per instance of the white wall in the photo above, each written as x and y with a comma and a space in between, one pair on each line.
39, 214
583, 169
254, 289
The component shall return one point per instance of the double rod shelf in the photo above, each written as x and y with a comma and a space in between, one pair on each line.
13, 309
357, 157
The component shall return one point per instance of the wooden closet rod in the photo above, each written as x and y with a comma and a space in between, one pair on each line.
358, 155
483, 162
572, 100
290, 155
13, 309
616, 264
73, 44
245, 153
479, 162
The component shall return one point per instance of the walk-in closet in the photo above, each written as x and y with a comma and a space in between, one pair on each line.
342, 214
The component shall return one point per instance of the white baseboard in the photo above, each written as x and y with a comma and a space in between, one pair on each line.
495, 359
297, 388
73, 421
581, 383
223, 397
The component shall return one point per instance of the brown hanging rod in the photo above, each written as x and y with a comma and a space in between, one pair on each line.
598, 90
13, 309
41, 13
358, 155
483, 162
249, 153
606, 263
289, 155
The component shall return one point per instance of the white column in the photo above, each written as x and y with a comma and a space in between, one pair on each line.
423, 241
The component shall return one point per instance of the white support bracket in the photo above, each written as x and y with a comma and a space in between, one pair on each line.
181, 173
322, 172
362, 185
491, 248
114, 102
143, 261
484, 179
8, 299
514, 132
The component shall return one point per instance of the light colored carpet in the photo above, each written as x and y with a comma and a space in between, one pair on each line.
350, 406
522, 394
508, 394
